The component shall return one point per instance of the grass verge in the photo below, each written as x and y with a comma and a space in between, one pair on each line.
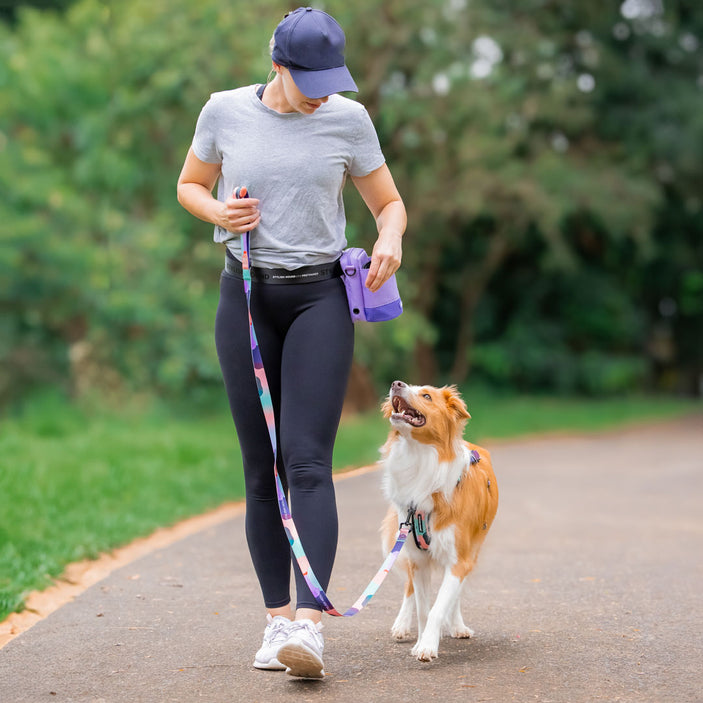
74, 483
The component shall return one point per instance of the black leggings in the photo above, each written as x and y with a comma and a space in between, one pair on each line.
306, 339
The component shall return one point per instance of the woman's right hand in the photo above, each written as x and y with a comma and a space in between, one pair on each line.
195, 186
239, 215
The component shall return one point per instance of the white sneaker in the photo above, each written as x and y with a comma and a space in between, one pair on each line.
302, 651
275, 634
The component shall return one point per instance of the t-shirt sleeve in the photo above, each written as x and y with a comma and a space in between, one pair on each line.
367, 155
205, 139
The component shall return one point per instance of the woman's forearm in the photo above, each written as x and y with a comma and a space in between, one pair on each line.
392, 219
199, 201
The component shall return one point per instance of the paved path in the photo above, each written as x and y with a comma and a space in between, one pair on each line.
589, 588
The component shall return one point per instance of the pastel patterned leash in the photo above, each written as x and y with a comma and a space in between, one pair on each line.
288, 524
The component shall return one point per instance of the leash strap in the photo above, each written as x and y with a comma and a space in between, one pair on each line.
288, 524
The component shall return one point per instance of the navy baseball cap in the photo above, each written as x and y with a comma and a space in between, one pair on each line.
310, 44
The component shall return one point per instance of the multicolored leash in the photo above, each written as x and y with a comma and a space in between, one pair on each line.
288, 524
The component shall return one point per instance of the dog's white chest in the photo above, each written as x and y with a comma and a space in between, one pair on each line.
413, 472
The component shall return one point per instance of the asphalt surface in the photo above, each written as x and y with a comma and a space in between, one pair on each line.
589, 588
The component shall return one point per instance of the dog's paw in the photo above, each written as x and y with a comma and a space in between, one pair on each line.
400, 634
424, 653
461, 632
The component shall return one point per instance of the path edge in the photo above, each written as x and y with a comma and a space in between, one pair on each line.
79, 576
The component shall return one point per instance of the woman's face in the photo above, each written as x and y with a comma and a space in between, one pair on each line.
296, 100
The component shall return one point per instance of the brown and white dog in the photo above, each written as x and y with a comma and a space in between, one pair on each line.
449, 485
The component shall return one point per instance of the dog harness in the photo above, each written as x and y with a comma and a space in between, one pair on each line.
286, 517
420, 519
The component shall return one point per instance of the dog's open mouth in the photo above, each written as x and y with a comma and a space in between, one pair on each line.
405, 412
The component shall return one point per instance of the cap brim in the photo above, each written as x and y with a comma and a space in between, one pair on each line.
327, 81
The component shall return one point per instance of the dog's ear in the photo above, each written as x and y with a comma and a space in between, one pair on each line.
455, 403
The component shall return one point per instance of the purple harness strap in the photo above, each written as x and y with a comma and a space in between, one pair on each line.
288, 524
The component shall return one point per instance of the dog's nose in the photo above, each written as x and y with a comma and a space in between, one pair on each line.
397, 385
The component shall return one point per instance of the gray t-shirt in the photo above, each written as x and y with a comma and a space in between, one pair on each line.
295, 164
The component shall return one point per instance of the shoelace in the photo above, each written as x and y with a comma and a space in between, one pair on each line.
305, 627
277, 631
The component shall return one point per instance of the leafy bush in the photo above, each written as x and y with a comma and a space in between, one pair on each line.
543, 217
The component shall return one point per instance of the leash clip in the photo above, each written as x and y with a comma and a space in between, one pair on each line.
409, 518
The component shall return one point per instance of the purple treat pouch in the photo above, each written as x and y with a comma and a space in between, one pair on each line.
384, 304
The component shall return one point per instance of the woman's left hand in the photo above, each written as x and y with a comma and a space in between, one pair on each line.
385, 259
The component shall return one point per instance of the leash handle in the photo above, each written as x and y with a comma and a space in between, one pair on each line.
286, 517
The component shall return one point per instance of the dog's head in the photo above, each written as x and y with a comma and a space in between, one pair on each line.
426, 414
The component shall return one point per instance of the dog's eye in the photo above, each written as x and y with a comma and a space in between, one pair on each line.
427, 396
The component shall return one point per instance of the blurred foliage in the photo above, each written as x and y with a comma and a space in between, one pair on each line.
549, 155
10, 8
107, 277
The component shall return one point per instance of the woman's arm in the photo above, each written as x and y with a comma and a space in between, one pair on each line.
194, 190
383, 200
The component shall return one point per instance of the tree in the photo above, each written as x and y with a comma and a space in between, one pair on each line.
488, 110
652, 103
520, 135
105, 277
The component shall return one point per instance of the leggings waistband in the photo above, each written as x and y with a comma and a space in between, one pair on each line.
304, 274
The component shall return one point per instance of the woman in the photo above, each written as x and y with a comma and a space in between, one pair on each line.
292, 142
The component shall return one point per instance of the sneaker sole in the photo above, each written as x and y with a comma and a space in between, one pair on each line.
273, 665
301, 661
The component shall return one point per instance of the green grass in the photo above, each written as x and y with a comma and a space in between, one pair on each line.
74, 483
